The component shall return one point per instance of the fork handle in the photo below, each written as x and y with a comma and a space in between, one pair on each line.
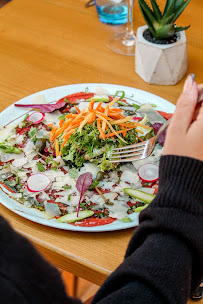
163, 127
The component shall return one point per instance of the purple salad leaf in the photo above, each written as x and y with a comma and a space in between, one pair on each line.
156, 126
44, 108
82, 184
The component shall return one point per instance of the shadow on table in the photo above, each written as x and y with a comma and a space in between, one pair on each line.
3, 2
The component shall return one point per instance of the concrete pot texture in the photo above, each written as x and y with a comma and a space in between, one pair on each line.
161, 64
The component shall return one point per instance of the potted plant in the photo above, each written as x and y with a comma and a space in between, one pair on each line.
161, 46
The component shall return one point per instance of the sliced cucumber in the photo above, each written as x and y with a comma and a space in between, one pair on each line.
72, 217
144, 120
139, 209
126, 220
145, 197
97, 98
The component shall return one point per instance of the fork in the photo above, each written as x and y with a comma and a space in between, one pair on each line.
143, 149
137, 151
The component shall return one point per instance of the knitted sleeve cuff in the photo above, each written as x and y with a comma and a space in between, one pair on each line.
180, 184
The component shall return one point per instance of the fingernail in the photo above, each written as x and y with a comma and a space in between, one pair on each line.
189, 82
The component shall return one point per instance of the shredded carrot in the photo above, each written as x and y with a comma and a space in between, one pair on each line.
78, 109
143, 126
118, 132
119, 121
105, 118
51, 125
61, 123
112, 129
87, 118
71, 115
140, 138
66, 138
91, 104
139, 131
112, 102
57, 147
100, 130
127, 125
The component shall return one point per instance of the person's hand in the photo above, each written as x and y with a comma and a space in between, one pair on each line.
184, 136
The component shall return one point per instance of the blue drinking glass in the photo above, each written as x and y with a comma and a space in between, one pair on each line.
112, 11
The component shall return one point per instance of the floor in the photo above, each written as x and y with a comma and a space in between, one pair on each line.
78, 287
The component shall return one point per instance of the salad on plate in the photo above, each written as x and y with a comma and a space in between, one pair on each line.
55, 159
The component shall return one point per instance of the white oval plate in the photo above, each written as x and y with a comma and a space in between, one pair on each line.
55, 94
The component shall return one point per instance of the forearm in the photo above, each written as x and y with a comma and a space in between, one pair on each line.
164, 257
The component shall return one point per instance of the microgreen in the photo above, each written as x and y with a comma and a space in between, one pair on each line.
44, 108
82, 185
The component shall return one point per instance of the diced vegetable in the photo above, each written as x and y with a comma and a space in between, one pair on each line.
72, 217
139, 209
145, 197
9, 149
126, 220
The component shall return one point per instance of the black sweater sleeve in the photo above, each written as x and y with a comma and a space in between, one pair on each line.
25, 277
164, 260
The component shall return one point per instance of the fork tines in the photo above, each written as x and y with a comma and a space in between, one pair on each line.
128, 153
133, 152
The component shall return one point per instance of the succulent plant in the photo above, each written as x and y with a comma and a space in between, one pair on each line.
161, 24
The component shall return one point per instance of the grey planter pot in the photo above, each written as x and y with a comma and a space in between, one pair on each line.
160, 64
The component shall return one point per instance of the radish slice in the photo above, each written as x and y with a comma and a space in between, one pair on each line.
149, 173
35, 117
135, 118
38, 182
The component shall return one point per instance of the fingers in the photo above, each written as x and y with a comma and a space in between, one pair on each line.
185, 107
200, 92
199, 115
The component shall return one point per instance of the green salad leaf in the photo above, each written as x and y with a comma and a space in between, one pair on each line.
9, 149
86, 146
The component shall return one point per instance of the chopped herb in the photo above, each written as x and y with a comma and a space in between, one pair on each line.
122, 94
40, 167
9, 149
93, 185
54, 165
63, 116
121, 103
69, 197
66, 187
26, 116
66, 100
84, 205
32, 132
86, 89
135, 106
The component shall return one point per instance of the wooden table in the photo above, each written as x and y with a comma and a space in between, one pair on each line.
48, 43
